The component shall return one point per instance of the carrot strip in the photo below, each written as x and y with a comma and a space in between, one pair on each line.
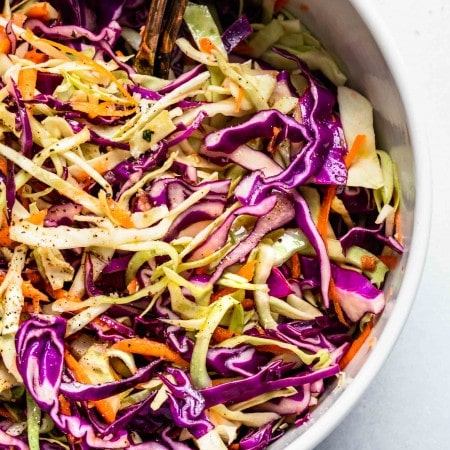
5, 44
271, 147
34, 56
37, 218
359, 141
369, 263
356, 345
222, 292
222, 334
239, 99
337, 306
64, 405
390, 260
248, 304
5, 240
106, 406
62, 294
3, 165
133, 286
295, 266
206, 45
247, 271
29, 291
39, 11
26, 82
121, 216
148, 347
324, 213
32, 39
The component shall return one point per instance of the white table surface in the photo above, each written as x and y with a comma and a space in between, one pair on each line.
408, 404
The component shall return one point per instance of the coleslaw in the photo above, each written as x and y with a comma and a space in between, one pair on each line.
186, 262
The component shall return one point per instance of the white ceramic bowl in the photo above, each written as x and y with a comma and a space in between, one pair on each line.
352, 31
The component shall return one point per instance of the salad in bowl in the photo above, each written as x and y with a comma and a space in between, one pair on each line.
190, 257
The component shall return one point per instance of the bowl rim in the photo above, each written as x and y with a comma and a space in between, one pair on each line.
340, 408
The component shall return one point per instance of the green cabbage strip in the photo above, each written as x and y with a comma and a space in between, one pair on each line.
11, 292
322, 358
217, 310
155, 249
75, 194
33, 422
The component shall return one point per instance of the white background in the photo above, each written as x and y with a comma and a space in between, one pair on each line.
408, 404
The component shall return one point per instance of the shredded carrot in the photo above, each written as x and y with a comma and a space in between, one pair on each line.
356, 345
295, 266
390, 260
3, 165
359, 141
34, 56
32, 39
148, 347
29, 291
121, 216
26, 82
62, 294
234, 447
64, 405
5, 44
324, 213
106, 407
101, 109
222, 334
206, 45
248, 304
222, 292
5, 240
247, 271
133, 286
239, 99
39, 11
369, 263
37, 218
337, 306
271, 147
